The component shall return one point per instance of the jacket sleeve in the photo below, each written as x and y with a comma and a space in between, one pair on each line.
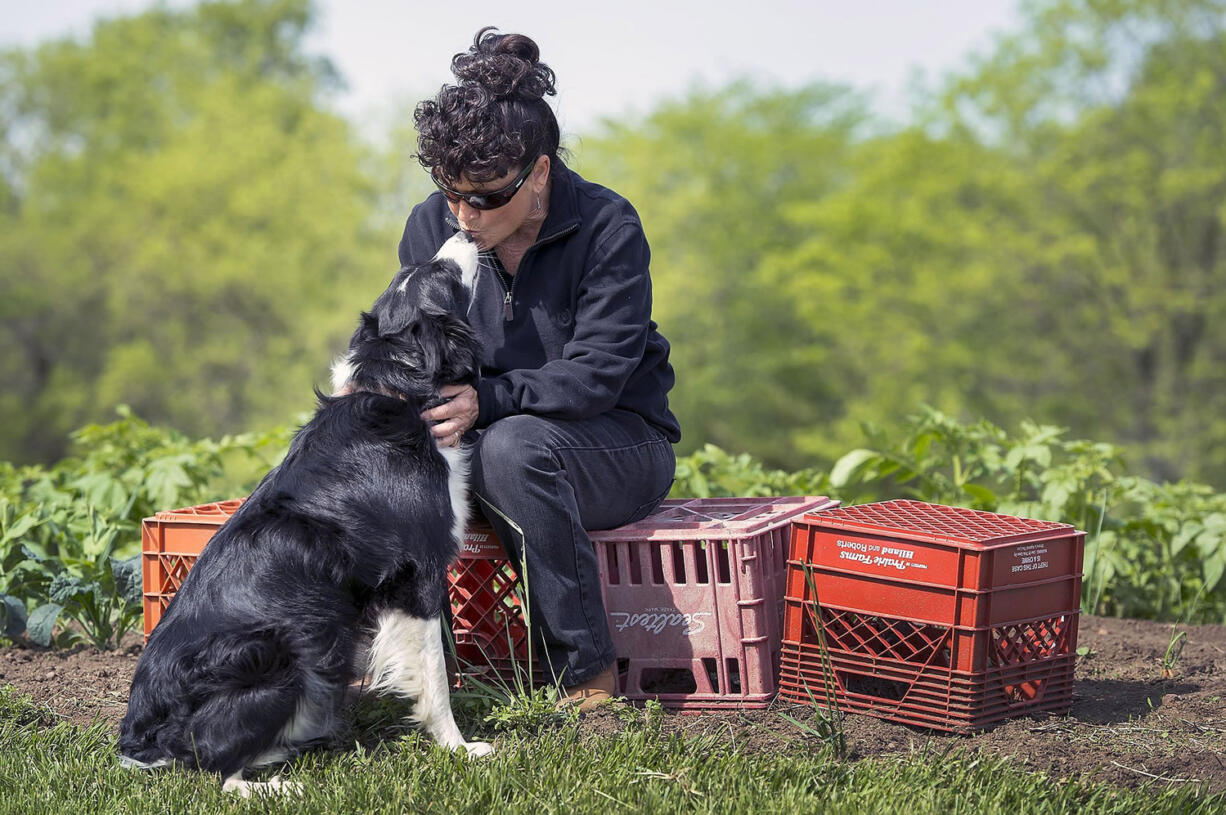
612, 321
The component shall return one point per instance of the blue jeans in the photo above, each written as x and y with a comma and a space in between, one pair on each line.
541, 482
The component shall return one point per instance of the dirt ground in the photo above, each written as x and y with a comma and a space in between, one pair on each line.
1129, 725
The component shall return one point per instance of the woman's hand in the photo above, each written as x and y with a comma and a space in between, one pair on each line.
451, 419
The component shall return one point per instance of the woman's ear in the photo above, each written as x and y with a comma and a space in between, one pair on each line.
540, 175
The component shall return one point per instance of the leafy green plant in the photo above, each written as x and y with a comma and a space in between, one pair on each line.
88, 584
69, 533
132, 469
17, 573
647, 719
712, 472
1174, 649
528, 710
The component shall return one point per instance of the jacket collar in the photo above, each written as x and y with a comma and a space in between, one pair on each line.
563, 216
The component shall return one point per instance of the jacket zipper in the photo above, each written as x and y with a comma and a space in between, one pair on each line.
508, 309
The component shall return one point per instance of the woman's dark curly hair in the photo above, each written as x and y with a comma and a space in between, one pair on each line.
496, 119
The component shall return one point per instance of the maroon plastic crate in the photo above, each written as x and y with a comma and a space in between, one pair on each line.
693, 595
957, 617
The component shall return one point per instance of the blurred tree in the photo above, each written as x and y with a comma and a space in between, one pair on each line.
710, 175
183, 225
1046, 242
1117, 110
904, 281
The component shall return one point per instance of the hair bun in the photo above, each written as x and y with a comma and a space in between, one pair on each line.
504, 65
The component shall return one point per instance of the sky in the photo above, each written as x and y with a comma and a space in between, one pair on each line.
613, 58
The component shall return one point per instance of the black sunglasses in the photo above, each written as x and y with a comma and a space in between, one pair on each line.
486, 200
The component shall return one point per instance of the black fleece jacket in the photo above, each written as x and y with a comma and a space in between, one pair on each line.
580, 339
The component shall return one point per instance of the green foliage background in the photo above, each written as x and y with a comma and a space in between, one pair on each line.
188, 228
1045, 239
184, 227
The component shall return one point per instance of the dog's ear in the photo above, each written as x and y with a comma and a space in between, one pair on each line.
431, 344
368, 329
459, 357
393, 312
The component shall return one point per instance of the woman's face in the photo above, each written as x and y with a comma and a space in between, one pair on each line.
490, 227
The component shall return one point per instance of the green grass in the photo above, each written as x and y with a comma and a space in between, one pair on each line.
53, 767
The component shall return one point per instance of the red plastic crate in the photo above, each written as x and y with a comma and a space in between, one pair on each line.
919, 600
172, 540
487, 625
170, 543
934, 699
693, 594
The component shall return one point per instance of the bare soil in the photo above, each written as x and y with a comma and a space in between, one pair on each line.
1130, 725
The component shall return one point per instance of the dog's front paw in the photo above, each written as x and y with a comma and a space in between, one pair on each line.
477, 749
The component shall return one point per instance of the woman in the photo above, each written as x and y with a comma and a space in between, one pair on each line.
569, 425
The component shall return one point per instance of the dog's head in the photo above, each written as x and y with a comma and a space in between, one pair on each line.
415, 339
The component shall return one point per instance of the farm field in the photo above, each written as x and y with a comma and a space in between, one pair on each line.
1129, 727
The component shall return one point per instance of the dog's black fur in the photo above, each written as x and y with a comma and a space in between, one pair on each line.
269, 625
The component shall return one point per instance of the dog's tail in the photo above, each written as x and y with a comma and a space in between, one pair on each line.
242, 691
250, 685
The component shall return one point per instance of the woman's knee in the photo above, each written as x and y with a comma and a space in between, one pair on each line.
510, 447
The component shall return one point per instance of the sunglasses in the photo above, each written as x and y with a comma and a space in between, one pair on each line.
486, 200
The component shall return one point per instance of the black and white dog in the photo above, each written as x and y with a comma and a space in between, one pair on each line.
334, 566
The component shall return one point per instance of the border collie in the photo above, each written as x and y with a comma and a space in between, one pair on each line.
334, 566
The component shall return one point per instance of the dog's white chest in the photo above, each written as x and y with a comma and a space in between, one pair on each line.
457, 488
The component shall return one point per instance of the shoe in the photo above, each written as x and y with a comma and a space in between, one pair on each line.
586, 696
